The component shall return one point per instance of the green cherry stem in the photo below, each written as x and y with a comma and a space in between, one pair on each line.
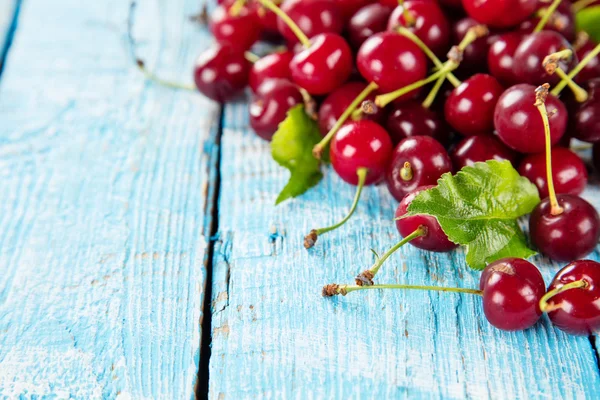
546, 15
311, 238
409, 18
170, 84
550, 64
547, 307
580, 5
251, 57
561, 85
434, 91
335, 289
365, 278
236, 7
288, 21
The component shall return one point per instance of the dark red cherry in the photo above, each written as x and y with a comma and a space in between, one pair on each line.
268, 22
427, 161
480, 149
338, 101
270, 105
272, 66
470, 107
430, 23
512, 290
530, 55
239, 31
435, 239
585, 121
577, 310
500, 57
221, 72
366, 22
312, 17
561, 21
350, 7
392, 61
452, 4
591, 69
360, 144
499, 13
475, 54
410, 118
568, 236
519, 123
568, 171
324, 66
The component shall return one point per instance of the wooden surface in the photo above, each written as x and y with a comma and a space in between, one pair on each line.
106, 194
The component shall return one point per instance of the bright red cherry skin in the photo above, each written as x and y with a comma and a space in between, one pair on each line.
272, 66
360, 144
568, 236
512, 290
270, 105
428, 160
579, 308
500, 57
568, 172
480, 149
499, 13
324, 66
338, 101
519, 123
561, 21
530, 55
221, 72
435, 239
585, 121
591, 69
470, 107
366, 22
410, 118
475, 54
239, 31
392, 61
313, 17
430, 23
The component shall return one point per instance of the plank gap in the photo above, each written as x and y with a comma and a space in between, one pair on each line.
595, 349
10, 34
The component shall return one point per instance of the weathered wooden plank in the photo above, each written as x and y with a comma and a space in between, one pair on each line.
7, 13
103, 203
274, 336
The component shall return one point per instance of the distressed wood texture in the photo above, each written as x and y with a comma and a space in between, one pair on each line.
274, 336
104, 203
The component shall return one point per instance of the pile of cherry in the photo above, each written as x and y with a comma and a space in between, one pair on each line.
383, 81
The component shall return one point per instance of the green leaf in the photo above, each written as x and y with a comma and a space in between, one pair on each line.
478, 208
588, 20
292, 147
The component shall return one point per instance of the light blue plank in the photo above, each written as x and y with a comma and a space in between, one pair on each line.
103, 198
274, 336
7, 12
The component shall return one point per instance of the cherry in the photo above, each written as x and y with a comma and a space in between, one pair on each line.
274, 65
475, 54
434, 238
470, 107
270, 105
338, 101
366, 22
562, 20
512, 289
221, 72
350, 7
410, 118
239, 31
416, 161
572, 299
268, 22
480, 149
530, 54
592, 68
499, 13
569, 173
313, 17
426, 20
452, 4
518, 123
585, 121
500, 57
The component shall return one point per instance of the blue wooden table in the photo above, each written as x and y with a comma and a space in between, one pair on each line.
123, 204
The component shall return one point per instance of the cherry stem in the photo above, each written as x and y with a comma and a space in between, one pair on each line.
311, 238
434, 91
580, 5
547, 14
436, 61
551, 65
561, 85
151, 77
319, 147
540, 98
251, 57
406, 172
408, 17
236, 7
335, 289
546, 307
288, 21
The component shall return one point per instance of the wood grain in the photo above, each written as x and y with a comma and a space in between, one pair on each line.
274, 336
104, 180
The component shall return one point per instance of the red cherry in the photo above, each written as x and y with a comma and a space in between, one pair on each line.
512, 289
561, 21
313, 17
349, 7
585, 121
435, 239
427, 161
268, 22
221, 72
239, 31
366, 22
518, 121
499, 13
480, 149
410, 118
271, 66
500, 57
591, 69
475, 54
361, 144
470, 107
